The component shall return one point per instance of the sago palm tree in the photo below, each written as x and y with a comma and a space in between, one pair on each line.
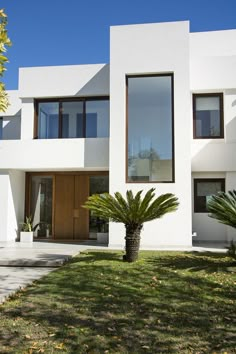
222, 207
133, 212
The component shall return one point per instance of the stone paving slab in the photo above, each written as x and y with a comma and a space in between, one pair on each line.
15, 278
36, 254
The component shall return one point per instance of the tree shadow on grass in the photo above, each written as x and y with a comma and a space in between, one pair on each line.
97, 303
195, 262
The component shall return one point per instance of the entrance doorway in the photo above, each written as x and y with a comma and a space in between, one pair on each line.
55, 202
71, 219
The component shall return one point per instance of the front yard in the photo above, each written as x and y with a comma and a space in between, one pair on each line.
167, 302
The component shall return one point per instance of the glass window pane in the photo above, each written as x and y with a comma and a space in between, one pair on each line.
72, 119
97, 119
208, 188
150, 129
203, 190
41, 204
98, 185
208, 117
48, 120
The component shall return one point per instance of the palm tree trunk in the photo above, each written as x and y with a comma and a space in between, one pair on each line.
132, 242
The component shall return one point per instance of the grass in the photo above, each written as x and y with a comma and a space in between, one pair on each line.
167, 302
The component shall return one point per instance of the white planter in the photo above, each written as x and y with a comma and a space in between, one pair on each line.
102, 237
26, 236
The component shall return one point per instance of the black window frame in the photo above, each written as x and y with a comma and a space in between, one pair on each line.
198, 206
61, 100
221, 102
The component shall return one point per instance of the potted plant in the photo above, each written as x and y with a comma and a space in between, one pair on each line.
27, 230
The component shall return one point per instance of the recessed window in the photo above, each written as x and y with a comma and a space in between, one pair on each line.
81, 118
208, 122
150, 156
204, 189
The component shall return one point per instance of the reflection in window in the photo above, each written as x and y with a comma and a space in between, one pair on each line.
150, 131
82, 118
208, 115
204, 189
97, 119
98, 185
71, 113
48, 120
41, 204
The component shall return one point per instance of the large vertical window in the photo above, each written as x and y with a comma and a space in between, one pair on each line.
41, 204
208, 119
77, 118
98, 185
204, 188
150, 128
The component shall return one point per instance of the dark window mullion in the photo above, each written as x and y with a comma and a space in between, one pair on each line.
60, 120
84, 119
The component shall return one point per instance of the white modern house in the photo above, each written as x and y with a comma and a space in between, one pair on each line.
162, 114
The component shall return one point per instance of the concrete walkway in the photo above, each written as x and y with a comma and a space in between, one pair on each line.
22, 263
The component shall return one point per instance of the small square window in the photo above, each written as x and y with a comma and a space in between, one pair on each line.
208, 122
204, 189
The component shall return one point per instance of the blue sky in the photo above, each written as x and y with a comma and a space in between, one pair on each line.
64, 32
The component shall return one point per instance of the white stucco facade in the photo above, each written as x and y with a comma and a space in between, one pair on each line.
199, 62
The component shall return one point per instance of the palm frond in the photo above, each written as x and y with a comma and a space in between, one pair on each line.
133, 209
165, 203
222, 207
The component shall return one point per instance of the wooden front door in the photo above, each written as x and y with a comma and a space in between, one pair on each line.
71, 221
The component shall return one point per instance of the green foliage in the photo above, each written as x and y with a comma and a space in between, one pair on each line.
232, 249
132, 210
28, 224
222, 207
4, 42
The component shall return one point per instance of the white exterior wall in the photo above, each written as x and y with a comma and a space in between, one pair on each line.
146, 49
212, 69
64, 81
16, 203
55, 154
12, 202
29, 154
12, 117
201, 63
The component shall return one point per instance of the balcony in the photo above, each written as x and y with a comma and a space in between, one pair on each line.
55, 154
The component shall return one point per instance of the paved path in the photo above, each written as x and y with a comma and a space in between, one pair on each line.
22, 263
14, 278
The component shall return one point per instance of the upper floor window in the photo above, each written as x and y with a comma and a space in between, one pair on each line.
81, 118
208, 119
204, 188
150, 136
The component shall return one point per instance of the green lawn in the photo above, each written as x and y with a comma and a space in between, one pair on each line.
167, 302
